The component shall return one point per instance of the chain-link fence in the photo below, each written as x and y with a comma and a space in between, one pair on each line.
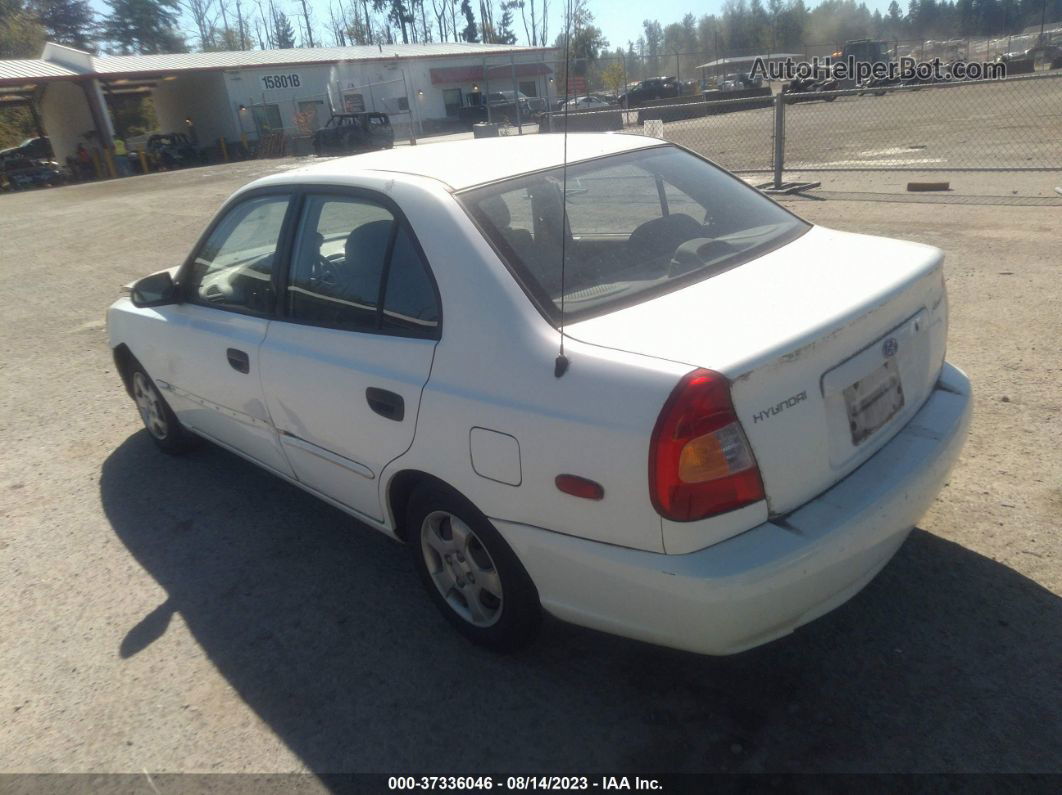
1011, 124
707, 68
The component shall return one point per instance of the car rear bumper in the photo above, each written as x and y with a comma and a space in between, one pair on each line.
768, 581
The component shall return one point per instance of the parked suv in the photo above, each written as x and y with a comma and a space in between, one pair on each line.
648, 90
349, 133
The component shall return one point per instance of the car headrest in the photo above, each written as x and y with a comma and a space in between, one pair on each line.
497, 211
662, 235
368, 243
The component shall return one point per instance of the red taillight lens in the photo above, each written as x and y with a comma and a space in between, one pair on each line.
700, 463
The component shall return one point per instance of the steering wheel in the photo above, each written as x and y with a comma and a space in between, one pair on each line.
324, 273
695, 253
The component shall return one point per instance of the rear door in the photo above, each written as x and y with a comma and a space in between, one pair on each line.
344, 365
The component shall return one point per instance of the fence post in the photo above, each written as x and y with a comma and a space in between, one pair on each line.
516, 94
779, 138
409, 108
486, 90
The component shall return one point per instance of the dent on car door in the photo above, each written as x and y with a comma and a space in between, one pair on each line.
211, 369
344, 366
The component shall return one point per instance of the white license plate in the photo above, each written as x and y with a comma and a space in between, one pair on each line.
873, 400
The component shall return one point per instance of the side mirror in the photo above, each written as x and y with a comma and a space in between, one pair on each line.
157, 289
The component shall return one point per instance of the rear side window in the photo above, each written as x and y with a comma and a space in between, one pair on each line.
630, 226
355, 267
233, 269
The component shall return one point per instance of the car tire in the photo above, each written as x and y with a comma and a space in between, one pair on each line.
159, 420
470, 572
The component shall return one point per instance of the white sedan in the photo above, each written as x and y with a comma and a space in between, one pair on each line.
586, 103
749, 415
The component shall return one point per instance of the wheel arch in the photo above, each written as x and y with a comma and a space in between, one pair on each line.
401, 487
124, 362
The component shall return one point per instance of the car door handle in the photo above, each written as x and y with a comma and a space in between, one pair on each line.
386, 404
238, 360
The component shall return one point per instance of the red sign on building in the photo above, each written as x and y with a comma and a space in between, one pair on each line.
576, 86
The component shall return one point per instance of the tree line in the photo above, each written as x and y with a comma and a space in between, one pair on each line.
160, 26
743, 26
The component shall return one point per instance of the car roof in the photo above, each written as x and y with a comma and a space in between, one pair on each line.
463, 164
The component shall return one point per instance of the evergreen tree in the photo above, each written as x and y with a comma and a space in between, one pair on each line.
471, 32
505, 34
21, 36
285, 33
143, 26
69, 22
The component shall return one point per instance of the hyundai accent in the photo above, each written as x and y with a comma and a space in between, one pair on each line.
606, 380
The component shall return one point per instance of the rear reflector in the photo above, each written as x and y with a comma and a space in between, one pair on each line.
580, 487
700, 463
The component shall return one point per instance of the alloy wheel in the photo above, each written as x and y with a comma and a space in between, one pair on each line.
461, 568
149, 404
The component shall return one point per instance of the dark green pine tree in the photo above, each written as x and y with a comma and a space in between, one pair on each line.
69, 22
143, 26
284, 31
470, 33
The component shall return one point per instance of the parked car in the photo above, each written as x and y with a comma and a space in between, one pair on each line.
648, 90
502, 105
585, 103
350, 133
749, 415
740, 82
810, 86
20, 173
29, 149
503, 98
172, 150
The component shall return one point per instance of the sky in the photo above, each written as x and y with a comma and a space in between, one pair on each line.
620, 20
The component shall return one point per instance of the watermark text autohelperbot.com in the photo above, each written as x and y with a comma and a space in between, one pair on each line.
904, 70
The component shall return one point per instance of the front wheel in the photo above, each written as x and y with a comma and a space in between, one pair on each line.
159, 420
470, 573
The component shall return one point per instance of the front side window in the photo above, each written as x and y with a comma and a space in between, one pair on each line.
631, 226
234, 268
355, 267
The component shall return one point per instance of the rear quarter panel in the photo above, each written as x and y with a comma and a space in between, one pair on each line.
493, 369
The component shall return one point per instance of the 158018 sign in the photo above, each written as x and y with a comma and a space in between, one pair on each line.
281, 81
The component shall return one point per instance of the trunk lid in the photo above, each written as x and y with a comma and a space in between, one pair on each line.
831, 343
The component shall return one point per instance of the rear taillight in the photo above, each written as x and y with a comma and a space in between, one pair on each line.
700, 463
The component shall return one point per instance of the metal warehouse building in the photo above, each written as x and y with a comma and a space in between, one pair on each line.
244, 95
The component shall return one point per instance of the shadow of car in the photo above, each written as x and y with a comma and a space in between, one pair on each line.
946, 661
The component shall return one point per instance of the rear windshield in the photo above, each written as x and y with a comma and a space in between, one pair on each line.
638, 224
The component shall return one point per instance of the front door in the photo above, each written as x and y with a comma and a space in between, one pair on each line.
344, 365
210, 369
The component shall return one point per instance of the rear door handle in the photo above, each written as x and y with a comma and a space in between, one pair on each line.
386, 404
238, 360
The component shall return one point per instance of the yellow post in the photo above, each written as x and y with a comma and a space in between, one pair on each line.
143, 162
108, 155
96, 162
224, 150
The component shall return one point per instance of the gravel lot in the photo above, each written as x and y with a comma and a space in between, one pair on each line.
195, 614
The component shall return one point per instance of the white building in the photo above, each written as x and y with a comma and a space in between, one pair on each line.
243, 95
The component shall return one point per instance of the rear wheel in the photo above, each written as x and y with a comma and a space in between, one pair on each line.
469, 571
159, 420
